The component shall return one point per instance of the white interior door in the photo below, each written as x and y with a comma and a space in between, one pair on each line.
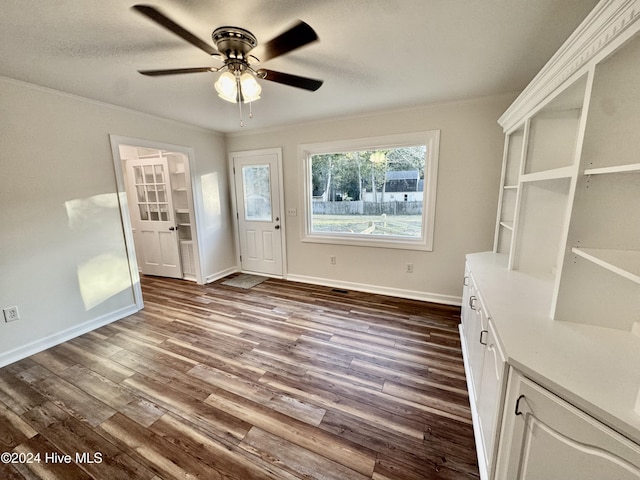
257, 185
152, 214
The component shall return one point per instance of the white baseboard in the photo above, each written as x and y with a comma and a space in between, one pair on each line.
217, 276
52, 340
392, 292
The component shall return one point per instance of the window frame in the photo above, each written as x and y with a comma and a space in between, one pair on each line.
430, 138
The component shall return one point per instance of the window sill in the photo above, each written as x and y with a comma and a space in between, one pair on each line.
377, 241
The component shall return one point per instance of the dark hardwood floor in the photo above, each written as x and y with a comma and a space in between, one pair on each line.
281, 381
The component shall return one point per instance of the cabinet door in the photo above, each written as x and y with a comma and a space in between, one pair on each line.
489, 396
544, 438
474, 337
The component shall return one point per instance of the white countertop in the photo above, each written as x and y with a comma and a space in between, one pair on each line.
596, 369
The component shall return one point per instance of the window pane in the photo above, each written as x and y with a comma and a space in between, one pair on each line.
257, 193
376, 192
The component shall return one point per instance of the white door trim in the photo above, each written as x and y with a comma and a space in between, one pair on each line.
232, 185
116, 141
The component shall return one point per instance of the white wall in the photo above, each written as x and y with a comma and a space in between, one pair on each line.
471, 146
62, 253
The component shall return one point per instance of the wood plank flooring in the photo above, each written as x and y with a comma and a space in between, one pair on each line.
281, 381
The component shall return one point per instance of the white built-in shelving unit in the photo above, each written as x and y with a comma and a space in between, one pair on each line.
183, 208
571, 221
561, 289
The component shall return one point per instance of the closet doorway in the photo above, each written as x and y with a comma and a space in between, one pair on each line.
155, 187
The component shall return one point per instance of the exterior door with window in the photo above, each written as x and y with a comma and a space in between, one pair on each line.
151, 209
257, 185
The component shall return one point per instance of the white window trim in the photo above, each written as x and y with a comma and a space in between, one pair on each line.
430, 138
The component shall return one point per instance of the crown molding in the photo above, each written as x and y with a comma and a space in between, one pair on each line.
609, 24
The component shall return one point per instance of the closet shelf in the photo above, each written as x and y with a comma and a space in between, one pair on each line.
629, 168
510, 187
625, 263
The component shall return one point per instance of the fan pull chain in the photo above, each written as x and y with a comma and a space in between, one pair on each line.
239, 90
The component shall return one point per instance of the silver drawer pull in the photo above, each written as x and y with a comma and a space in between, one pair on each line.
482, 333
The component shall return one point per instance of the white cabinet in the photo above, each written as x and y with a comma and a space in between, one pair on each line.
546, 438
484, 367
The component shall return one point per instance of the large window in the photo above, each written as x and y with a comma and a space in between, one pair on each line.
372, 191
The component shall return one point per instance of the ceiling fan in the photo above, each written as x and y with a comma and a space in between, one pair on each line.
237, 82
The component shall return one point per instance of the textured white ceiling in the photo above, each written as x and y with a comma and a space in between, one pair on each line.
373, 54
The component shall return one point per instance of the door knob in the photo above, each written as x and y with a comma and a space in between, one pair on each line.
172, 228
277, 227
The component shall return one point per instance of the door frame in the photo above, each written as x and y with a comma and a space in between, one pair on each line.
116, 141
234, 203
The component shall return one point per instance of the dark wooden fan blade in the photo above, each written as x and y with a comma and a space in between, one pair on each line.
158, 17
297, 36
176, 71
291, 80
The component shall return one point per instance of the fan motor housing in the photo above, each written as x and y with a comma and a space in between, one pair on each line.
234, 42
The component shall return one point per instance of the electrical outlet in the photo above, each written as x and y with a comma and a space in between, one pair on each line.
409, 268
332, 260
11, 314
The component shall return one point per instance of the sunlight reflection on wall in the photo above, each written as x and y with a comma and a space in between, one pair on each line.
211, 200
103, 267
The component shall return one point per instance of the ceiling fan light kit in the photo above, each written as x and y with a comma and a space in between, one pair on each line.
237, 81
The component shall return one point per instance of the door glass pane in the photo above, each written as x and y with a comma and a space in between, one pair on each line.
148, 174
164, 212
162, 193
159, 174
151, 193
140, 190
144, 214
137, 172
153, 213
257, 193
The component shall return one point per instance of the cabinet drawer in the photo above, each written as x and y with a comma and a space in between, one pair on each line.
544, 437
